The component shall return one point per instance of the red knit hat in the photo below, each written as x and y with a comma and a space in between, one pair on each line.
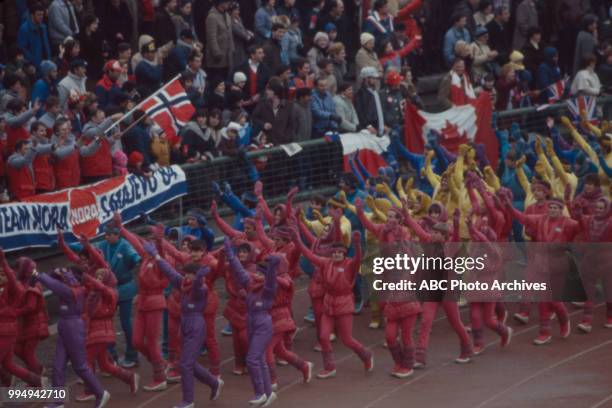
394, 78
135, 158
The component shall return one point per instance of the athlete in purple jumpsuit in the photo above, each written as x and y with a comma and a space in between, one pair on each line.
259, 301
194, 296
71, 330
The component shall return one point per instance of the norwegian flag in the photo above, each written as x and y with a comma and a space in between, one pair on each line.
587, 104
170, 109
557, 90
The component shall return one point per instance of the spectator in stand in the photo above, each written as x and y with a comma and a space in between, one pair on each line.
236, 95
586, 42
484, 15
183, 20
272, 47
507, 89
194, 66
148, 72
366, 56
273, 115
137, 165
392, 59
70, 49
92, 45
303, 78
500, 37
219, 41
345, 109
467, 8
368, 103
318, 50
196, 141
107, 87
164, 26
138, 139
242, 36
458, 32
163, 150
47, 84
13, 88
380, 22
176, 61
19, 169
216, 98
97, 142
257, 73
52, 113
263, 20
63, 21
66, 168
313, 16
484, 56
116, 22
412, 93
605, 72
287, 8
73, 84
526, 17
533, 51
337, 53
456, 87
337, 16
292, 43
393, 100
549, 73
17, 117
324, 116
228, 145
586, 82
326, 70
570, 15
41, 166
302, 115
33, 38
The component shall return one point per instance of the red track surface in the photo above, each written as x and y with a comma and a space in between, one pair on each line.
572, 373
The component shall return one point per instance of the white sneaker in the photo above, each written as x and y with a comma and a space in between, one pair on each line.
270, 400
104, 401
274, 387
258, 401
217, 393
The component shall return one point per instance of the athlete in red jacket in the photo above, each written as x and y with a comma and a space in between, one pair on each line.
33, 321
100, 307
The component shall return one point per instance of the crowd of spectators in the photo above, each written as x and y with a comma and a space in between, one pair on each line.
263, 73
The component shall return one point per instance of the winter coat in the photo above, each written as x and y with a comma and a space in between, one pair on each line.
526, 17
302, 122
282, 126
219, 40
346, 109
59, 21
69, 83
33, 40
586, 44
323, 107
365, 58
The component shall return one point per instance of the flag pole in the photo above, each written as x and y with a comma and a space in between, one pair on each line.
135, 108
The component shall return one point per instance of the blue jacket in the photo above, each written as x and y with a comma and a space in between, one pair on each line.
323, 107
452, 36
41, 91
203, 233
35, 48
371, 27
240, 210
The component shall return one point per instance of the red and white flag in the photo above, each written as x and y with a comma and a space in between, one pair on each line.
458, 125
370, 147
170, 108
557, 90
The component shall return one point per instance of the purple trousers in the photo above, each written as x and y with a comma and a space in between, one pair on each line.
71, 346
193, 333
259, 332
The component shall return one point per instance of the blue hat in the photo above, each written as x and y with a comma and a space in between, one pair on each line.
480, 31
329, 27
46, 67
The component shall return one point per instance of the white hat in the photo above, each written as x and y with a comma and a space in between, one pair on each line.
365, 38
320, 36
234, 126
369, 72
239, 77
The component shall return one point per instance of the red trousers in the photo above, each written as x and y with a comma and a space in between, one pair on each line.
214, 356
480, 311
277, 347
240, 342
546, 309
146, 333
7, 344
317, 310
99, 352
26, 351
343, 325
174, 339
402, 354
451, 309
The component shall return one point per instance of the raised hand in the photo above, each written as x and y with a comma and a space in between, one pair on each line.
258, 189
215, 187
149, 248
213, 206
292, 193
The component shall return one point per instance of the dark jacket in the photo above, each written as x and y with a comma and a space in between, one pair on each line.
533, 57
164, 28
138, 139
391, 100
196, 140
148, 77
272, 50
91, 51
500, 40
365, 106
115, 21
282, 126
176, 61
263, 76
